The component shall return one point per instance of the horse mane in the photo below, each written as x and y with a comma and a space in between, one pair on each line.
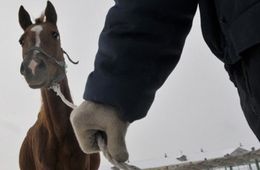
40, 19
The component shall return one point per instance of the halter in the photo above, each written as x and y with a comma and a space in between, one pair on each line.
61, 64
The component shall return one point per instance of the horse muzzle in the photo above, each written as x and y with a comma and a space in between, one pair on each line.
35, 71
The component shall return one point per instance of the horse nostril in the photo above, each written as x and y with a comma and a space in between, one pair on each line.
22, 69
41, 65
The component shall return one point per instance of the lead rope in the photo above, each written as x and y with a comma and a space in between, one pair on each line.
57, 90
100, 140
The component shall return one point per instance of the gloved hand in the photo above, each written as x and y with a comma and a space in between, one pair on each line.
91, 118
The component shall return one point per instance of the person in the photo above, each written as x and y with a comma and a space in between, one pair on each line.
140, 45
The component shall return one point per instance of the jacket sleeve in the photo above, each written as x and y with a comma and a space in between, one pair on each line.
140, 45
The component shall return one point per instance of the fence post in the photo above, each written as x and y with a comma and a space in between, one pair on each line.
250, 167
257, 165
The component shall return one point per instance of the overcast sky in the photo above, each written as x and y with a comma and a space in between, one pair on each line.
198, 107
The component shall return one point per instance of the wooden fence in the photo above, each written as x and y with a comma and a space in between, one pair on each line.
228, 162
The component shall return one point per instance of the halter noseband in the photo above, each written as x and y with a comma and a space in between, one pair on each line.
60, 63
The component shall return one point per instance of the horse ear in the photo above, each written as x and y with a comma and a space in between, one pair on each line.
50, 13
24, 18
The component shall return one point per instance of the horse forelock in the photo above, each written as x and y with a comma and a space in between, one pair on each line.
40, 19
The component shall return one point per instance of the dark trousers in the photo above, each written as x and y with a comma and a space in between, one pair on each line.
245, 76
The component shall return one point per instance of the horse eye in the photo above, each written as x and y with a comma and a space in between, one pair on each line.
21, 41
55, 35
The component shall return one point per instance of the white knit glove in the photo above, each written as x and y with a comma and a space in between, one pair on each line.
91, 118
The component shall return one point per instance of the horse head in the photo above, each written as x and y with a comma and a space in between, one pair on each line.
43, 63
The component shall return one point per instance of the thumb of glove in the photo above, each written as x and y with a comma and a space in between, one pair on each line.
116, 144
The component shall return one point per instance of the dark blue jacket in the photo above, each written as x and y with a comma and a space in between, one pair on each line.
142, 41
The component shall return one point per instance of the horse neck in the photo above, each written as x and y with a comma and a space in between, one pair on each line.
54, 113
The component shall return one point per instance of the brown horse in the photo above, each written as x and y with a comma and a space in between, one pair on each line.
50, 143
